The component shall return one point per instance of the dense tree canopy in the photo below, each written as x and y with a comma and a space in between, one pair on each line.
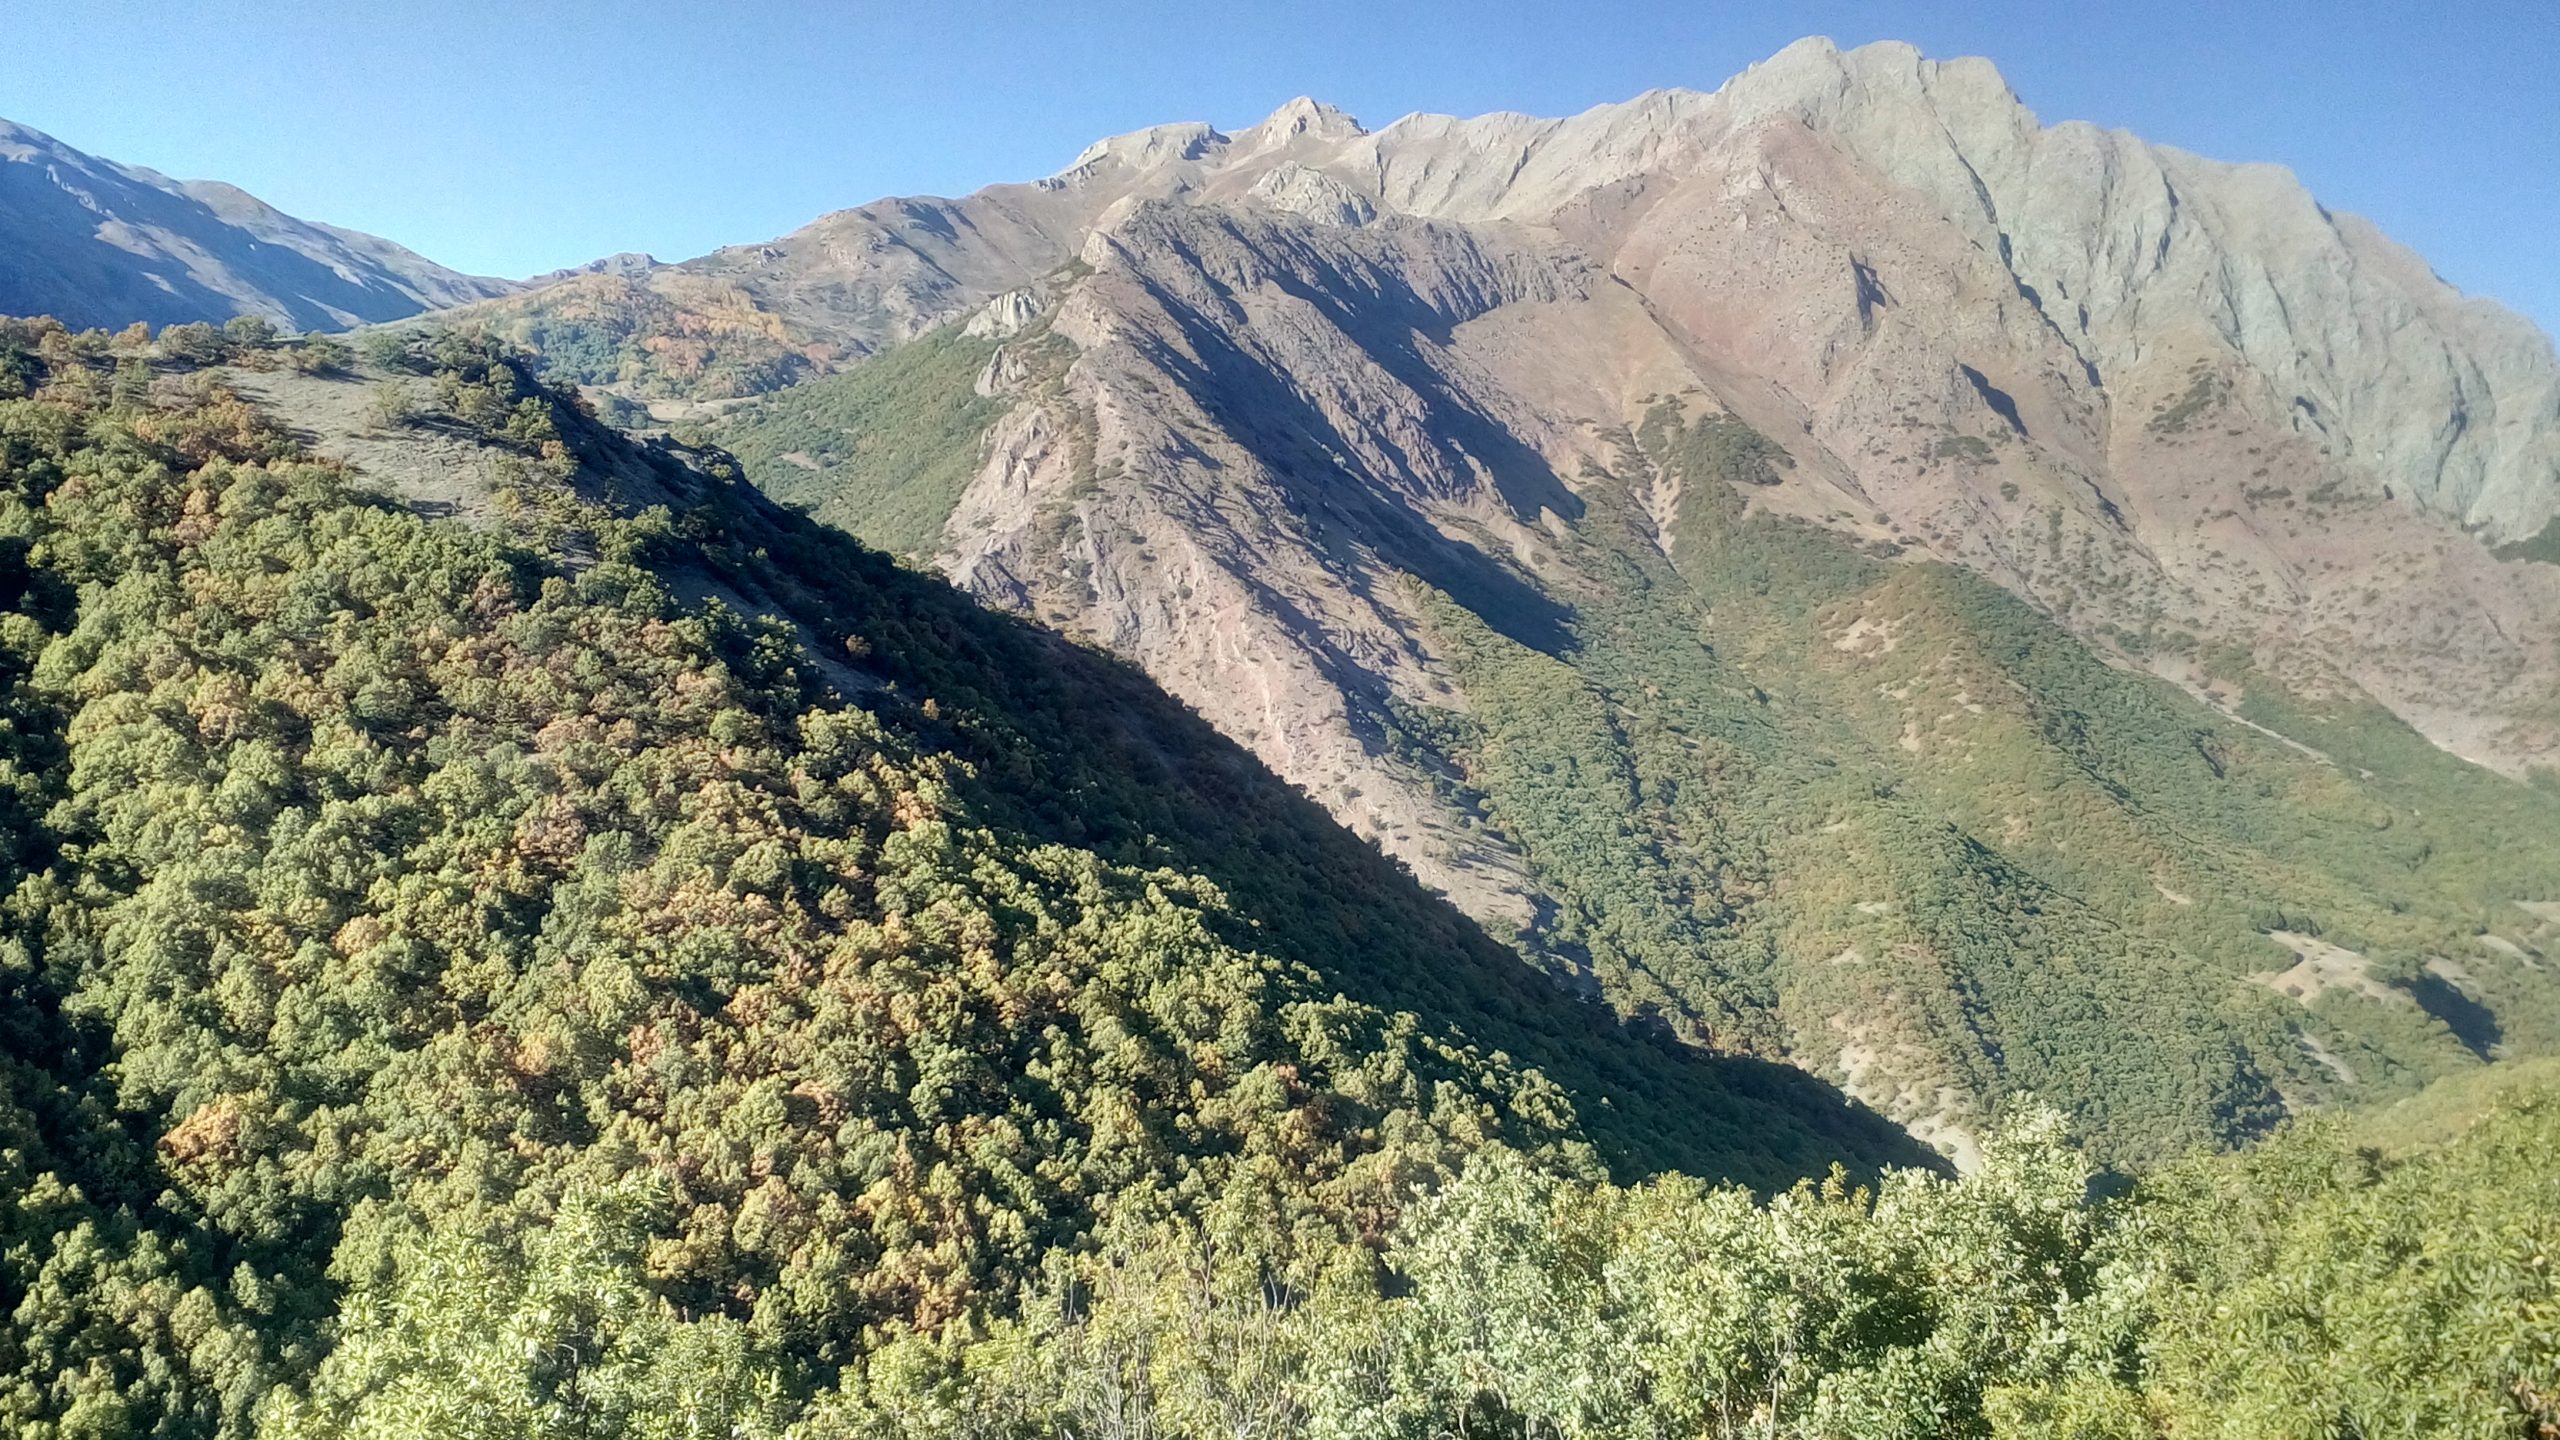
642, 965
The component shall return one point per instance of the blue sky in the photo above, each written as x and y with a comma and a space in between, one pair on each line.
516, 138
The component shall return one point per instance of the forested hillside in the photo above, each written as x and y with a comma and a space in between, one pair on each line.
383, 884
653, 334
618, 958
1888, 817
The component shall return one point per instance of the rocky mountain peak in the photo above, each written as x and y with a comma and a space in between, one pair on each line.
1313, 194
2094, 369
1361, 442
624, 263
1815, 77
1304, 117
1154, 146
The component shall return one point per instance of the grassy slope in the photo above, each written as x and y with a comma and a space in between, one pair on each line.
882, 450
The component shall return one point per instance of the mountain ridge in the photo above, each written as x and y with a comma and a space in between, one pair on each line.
94, 242
1345, 435
1811, 81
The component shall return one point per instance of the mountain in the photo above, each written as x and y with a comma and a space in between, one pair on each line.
512, 930
1832, 565
428, 813
510, 933
94, 243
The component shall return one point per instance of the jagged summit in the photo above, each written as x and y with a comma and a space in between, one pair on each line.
2122, 250
1156, 145
626, 264
1817, 66
1196, 142
1304, 117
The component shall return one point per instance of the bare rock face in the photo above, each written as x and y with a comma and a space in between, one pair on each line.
2131, 250
1005, 315
2122, 249
1314, 195
94, 243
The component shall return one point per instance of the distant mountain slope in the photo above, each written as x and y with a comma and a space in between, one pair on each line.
95, 243
640, 331
749, 318
2228, 395
1597, 513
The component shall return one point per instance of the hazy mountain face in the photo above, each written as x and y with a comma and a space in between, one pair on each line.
1556, 501
94, 243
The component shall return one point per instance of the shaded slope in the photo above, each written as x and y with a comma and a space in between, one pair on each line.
1751, 771
95, 243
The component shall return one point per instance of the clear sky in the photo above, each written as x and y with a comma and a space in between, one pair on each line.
512, 138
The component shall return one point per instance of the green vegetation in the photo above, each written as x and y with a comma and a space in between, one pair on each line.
883, 450
668, 336
1972, 449
1890, 818
455, 984
83, 364
1716, 446
2312, 1288
417, 935
2543, 546
1717, 866
2205, 391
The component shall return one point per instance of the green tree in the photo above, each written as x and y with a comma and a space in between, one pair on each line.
194, 343
546, 1333
390, 404
320, 355
253, 332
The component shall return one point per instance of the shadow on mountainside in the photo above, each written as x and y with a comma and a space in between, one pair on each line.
1072, 746
1308, 455
1075, 747
61, 256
